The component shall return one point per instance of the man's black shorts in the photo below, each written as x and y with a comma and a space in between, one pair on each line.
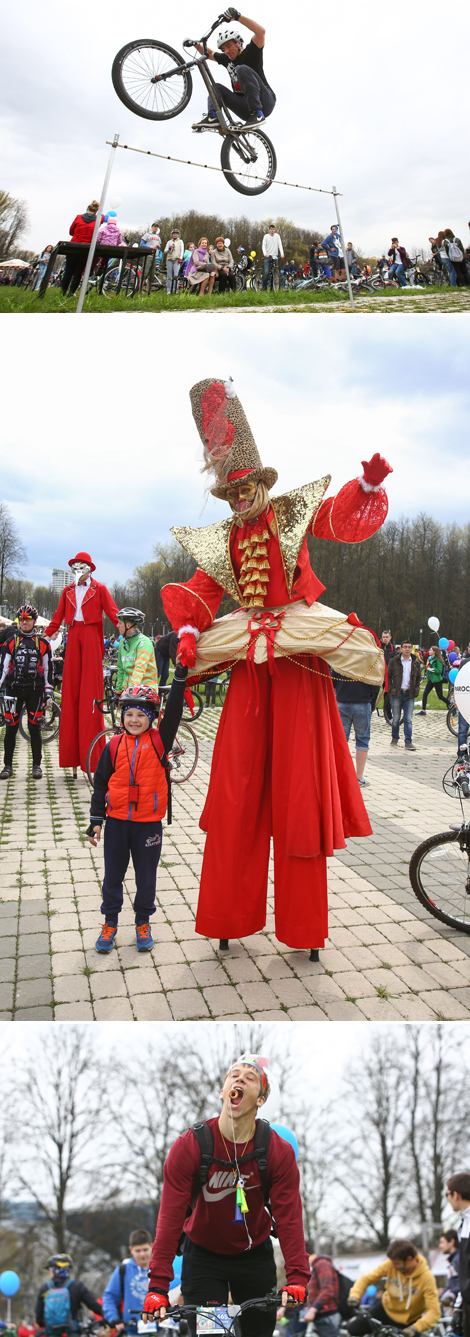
337, 262
207, 1278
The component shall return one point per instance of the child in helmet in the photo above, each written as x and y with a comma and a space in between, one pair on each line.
26, 678
60, 1299
136, 655
131, 792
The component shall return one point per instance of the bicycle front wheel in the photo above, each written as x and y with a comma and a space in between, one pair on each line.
452, 721
95, 750
183, 755
440, 878
197, 703
137, 76
252, 155
49, 724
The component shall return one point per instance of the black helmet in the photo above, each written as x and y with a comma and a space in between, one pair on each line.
134, 615
140, 695
60, 1264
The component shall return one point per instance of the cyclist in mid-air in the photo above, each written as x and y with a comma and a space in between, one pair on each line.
250, 96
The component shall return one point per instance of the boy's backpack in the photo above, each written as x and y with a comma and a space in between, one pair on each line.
57, 1310
345, 1285
205, 1140
454, 251
158, 747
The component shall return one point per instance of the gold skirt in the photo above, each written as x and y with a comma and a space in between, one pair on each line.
289, 631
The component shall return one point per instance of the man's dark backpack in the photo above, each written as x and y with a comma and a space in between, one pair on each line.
205, 1140
345, 1285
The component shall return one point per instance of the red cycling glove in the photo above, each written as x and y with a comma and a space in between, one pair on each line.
187, 649
296, 1294
376, 469
153, 1303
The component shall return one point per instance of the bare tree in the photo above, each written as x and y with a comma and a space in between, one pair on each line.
12, 551
437, 1115
369, 1151
58, 1089
13, 222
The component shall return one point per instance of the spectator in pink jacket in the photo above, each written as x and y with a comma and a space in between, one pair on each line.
109, 233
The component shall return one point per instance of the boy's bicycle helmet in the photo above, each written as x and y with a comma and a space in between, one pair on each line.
229, 36
26, 611
60, 1264
140, 695
134, 615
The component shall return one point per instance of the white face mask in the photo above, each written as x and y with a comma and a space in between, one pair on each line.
80, 569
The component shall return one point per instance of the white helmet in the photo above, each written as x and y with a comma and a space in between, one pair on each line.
228, 36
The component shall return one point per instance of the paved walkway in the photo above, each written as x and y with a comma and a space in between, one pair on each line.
386, 959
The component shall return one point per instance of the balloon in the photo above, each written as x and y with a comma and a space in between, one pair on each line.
115, 202
451, 645
452, 657
453, 674
443, 643
286, 1134
461, 693
9, 1283
433, 623
271, 1106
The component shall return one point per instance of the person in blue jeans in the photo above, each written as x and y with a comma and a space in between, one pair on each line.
463, 726
397, 266
125, 1292
355, 703
404, 679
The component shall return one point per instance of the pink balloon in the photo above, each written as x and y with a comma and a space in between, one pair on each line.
451, 645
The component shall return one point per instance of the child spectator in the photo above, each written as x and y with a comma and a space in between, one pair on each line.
126, 1290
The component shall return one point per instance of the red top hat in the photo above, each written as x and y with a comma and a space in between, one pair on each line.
83, 557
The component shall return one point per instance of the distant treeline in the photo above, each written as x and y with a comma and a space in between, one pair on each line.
409, 571
241, 231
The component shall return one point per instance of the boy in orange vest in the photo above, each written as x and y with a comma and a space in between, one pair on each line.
132, 792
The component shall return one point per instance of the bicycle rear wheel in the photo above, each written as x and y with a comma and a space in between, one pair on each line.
96, 748
440, 877
197, 703
183, 755
233, 156
136, 72
49, 725
452, 721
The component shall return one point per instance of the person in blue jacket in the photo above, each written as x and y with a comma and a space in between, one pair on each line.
128, 1286
333, 245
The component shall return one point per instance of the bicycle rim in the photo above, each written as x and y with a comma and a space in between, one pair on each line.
134, 68
452, 721
440, 878
264, 164
197, 703
49, 725
95, 749
183, 755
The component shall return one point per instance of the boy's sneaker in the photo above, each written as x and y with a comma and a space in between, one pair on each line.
410, 747
105, 942
394, 742
6, 773
144, 940
421, 712
256, 118
37, 773
362, 781
205, 123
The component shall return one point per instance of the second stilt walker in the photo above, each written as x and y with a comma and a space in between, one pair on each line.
281, 764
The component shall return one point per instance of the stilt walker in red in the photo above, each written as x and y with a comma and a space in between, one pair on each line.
281, 766
81, 607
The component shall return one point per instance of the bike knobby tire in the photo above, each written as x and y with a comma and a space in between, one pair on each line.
440, 877
49, 724
197, 704
452, 721
265, 164
134, 69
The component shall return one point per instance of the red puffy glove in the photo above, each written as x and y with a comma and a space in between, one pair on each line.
294, 1295
153, 1303
376, 469
187, 649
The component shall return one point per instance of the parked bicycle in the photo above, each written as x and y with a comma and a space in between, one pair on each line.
440, 867
150, 84
182, 757
452, 717
49, 724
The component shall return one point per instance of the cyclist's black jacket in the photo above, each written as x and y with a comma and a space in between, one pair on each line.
251, 55
79, 1294
27, 659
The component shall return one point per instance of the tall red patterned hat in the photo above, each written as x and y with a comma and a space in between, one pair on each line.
230, 450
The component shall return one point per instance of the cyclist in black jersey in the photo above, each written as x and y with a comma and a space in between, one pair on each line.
250, 96
26, 679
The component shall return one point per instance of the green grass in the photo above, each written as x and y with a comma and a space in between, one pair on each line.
14, 300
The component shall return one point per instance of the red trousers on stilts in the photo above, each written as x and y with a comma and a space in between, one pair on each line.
284, 772
82, 681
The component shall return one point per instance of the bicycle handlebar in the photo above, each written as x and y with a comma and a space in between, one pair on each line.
202, 41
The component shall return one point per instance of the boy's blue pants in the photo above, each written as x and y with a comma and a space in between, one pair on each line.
143, 842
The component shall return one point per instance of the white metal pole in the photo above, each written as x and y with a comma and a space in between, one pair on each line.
9, 1311
96, 229
348, 276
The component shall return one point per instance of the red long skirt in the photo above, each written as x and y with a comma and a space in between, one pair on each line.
80, 722
285, 772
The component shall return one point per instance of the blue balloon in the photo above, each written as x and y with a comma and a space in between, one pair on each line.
287, 1136
453, 674
9, 1283
177, 1265
443, 643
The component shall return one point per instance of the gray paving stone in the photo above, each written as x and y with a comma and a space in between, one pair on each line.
34, 1014
40, 942
31, 992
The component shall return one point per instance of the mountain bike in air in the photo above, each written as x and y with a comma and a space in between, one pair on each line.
155, 82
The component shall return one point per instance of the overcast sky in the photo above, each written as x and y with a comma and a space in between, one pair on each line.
100, 450
369, 99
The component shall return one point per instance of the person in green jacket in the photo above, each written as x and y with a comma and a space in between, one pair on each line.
435, 677
136, 655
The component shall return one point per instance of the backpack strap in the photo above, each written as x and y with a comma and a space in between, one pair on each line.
114, 743
261, 1148
122, 1270
205, 1140
158, 747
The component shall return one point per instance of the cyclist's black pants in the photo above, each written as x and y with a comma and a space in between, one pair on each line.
33, 699
207, 1278
74, 266
438, 688
360, 1325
